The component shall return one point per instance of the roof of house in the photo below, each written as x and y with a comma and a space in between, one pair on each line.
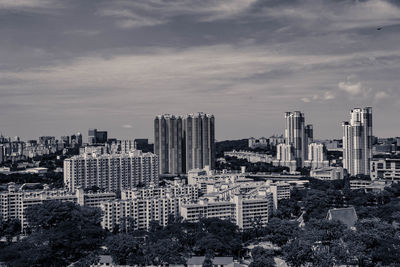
198, 260
348, 216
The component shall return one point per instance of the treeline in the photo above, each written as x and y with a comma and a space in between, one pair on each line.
53, 179
233, 163
229, 145
62, 233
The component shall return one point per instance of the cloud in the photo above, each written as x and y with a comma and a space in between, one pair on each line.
29, 5
129, 19
381, 95
353, 88
329, 95
316, 15
127, 126
306, 100
134, 14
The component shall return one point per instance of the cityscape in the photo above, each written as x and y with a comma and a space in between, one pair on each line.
186, 177
199, 133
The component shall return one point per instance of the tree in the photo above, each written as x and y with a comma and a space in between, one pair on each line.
280, 231
374, 242
10, 228
63, 233
262, 257
297, 252
125, 249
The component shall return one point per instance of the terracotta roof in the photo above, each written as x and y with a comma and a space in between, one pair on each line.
347, 216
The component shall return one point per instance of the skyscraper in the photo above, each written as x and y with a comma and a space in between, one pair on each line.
97, 137
298, 135
186, 143
357, 141
168, 138
199, 134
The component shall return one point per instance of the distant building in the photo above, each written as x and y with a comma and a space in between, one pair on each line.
185, 143
357, 141
97, 137
276, 140
141, 143
285, 157
298, 135
14, 202
317, 157
169, 143
370, 186
252, 157
141, 206
111, 172
328, 173
386, 169
261, 142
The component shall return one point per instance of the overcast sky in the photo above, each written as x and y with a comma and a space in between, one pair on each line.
70, 65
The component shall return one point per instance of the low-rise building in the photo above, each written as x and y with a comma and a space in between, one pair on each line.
328, 173
14, 202
386, 169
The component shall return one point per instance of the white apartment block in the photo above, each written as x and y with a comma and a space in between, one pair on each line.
285, 157
329, 173
111, 172
191, 191
141, 211
385, 169
317, 157
13, 202
244, 210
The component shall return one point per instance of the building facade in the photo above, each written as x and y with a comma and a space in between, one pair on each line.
317, 157
357, 141
185, 143
298, 135
111, 172
14, 202
385, 169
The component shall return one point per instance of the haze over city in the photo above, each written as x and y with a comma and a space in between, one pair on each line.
67, 66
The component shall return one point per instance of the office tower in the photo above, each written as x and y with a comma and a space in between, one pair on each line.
97, 137
357, 141
199, 134
111, 172
298, 135
168, 144
317, 157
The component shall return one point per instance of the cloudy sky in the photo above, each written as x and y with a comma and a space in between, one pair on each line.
69, 65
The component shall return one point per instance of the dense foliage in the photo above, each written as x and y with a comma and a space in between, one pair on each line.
62, 233
176, 242
233, 163
53, 179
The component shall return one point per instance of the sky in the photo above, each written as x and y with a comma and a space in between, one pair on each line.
70, 65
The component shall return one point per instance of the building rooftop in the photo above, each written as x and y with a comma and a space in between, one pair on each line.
347, 216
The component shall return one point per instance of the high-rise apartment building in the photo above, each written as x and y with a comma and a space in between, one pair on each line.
298, 135
357, 141
113, 172
185, 143
199, 133
168, 146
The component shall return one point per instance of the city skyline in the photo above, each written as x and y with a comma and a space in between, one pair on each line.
67, 66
